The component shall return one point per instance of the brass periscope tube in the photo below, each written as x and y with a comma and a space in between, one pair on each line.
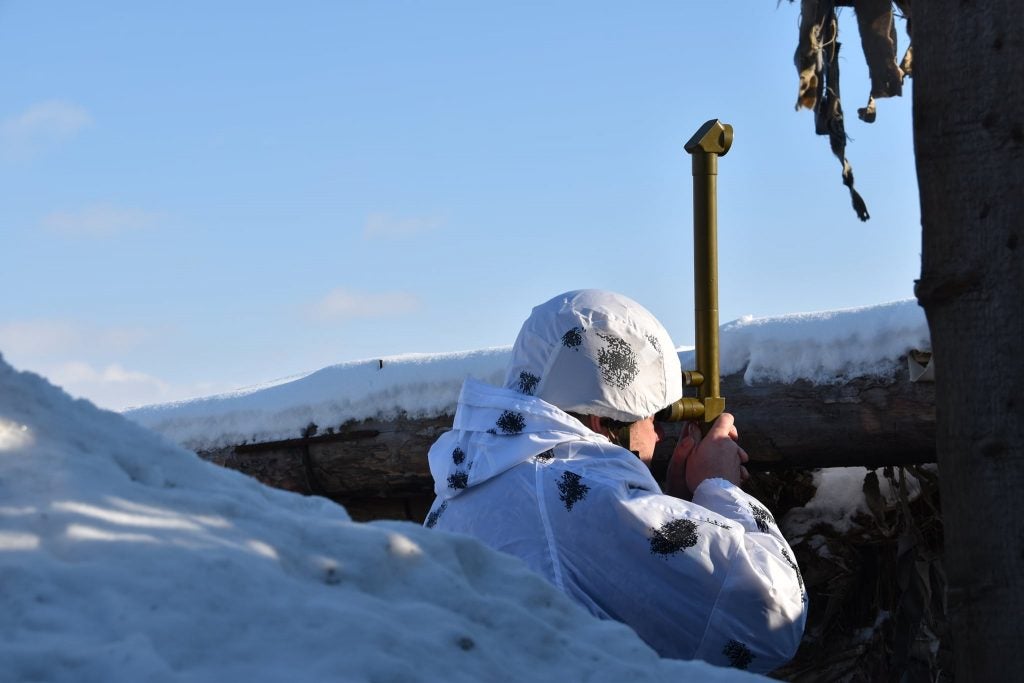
711, 141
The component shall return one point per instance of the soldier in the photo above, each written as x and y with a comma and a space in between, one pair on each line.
554, 469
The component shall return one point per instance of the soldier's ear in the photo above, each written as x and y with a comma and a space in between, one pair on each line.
594, 424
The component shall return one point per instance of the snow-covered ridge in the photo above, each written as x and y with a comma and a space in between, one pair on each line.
128, 558
414, 385
822, 348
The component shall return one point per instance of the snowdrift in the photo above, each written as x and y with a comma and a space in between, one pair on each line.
124, 557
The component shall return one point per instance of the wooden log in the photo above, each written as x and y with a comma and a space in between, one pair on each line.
865, 422
382, 466
375, 468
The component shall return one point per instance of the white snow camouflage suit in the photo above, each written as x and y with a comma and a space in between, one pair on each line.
711, 579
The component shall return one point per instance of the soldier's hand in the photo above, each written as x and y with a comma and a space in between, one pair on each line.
717, 455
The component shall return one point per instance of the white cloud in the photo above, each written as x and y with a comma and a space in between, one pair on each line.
346, 303
38, 337
40, 127
47, 338
112, 386
387, 226
115, 387
89, 361
78, 372
98, 221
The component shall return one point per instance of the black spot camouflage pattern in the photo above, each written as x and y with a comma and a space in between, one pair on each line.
673, 536
511, 422
458, 480
573, 338
435, 515
571, 490
762, 518
739, 654
528, 382
617, 362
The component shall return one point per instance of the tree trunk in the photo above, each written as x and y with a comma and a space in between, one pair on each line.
969, 148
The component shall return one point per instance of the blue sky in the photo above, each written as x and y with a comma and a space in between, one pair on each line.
202, 196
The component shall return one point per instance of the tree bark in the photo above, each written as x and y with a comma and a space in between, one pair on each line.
969, 148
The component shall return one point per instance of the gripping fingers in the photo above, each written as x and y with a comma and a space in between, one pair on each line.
724, 425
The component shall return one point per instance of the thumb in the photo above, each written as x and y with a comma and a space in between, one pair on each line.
723, 426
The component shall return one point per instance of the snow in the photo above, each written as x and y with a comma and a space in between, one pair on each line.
127, 558
825, 347
821, 348
413, 385
838, 500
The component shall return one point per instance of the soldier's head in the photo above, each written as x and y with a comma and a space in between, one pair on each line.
597, 354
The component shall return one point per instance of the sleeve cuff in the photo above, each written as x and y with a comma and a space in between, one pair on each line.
717, 482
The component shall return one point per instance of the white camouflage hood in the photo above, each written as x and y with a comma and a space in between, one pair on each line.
598, 353
494, 430
586, 351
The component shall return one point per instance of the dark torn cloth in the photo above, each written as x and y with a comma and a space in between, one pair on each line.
878, 39
817, 63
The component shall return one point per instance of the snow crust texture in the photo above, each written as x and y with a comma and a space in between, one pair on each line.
826, 347
821, 348
124, 557
412, 385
